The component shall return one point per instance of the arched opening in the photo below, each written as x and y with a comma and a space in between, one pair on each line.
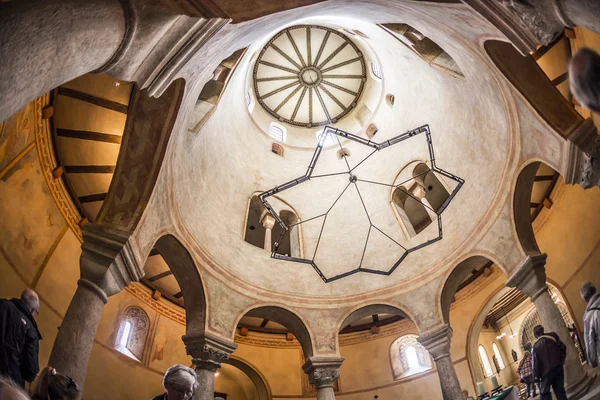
133, 332
436, 193
498, 355
275, 319
412, 213
182, 266
424, 47
213, 90
263, 391
533, 195
260, 224
277, 149
408, 357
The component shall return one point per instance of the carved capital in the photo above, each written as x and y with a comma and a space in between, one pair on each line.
208, 351
437, 341
323, 371
584, 156
540, 17
107, 259
267, 221
530, 278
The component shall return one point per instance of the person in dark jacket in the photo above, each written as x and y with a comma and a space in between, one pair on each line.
591, 323
19, 337
549, 354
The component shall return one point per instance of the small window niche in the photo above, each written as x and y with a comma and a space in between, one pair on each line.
371, 130
277, 132
133, 332
376, 70
277, 149
409, 357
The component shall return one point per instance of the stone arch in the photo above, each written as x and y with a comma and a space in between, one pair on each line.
180, 261
289, 319
261, 384
398, 358
454, 280
368, 310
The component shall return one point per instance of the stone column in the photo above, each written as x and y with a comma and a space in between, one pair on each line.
437, 343
322, 373
208, 351
268, 222
530, 279
583, 161
46, 43
107, 265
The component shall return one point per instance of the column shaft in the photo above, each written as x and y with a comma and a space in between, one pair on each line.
73, 344
267, 245
206, 384
325, 393
46, 43
448, 379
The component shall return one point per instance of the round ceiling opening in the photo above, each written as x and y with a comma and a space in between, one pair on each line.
309, 75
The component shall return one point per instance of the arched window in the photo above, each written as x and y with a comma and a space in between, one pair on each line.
424, 47
412, 212
435, 192
133, 333
328, 140
498, 356
255, 227
277, 132
409, 357
376, 70
277, 149
485, 362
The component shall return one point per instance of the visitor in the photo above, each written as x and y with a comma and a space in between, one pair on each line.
591, 322
180, 382
525, 371
584, 77
9, 390
51, 385
549, 354
19, 336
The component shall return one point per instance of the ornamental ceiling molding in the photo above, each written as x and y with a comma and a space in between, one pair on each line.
49, 163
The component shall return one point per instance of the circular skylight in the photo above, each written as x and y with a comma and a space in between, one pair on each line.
309, 75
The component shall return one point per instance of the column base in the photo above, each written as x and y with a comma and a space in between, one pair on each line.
579, 389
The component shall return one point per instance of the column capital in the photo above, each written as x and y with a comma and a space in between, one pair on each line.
323, 371
208, 351
107, 260
437, 341
530, 278
583, 162
267, 220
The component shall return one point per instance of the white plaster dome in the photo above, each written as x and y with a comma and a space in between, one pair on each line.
219, 170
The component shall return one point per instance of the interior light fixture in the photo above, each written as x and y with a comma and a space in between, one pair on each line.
503, 334
353, 178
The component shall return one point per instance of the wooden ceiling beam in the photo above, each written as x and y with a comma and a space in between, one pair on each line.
90, 169
160, 276
90, 198
264, 323
95, 100
89, 135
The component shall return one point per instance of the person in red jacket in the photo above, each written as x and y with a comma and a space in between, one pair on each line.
525, 371
549, 354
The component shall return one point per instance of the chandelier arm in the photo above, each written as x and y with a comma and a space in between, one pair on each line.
365, 248
363, 160
341, 148
375, 183
336, 200
310, 219
363, 203
389, 237
410, 179
319, 239
326, 175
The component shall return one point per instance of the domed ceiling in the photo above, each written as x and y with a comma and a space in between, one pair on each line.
309, 75
217, 172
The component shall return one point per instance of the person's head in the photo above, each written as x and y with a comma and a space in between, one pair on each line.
180, 382
527, 347
11, 391
538, 331
584, 78
588, 290
50, 385
31, 300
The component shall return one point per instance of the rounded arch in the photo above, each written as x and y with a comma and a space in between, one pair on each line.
289, 319
403, 365
371, 309
521, 208
261, 384
184, 269
457, 276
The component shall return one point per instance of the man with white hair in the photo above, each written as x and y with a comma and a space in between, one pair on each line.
584, 78
19, 336
180, 382
591, 322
